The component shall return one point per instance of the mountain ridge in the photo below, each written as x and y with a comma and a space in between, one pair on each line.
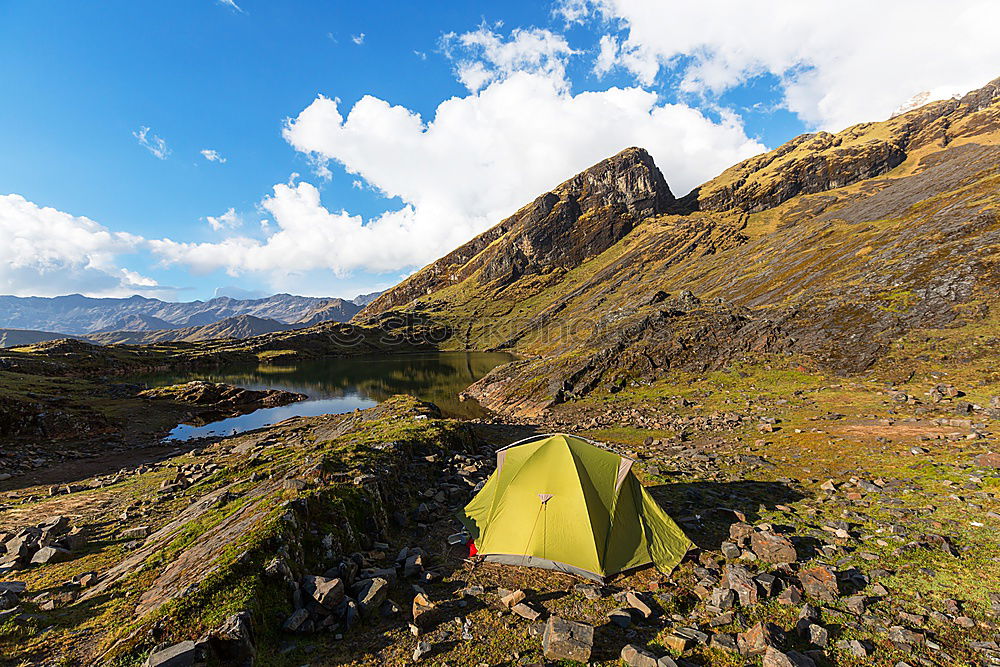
79, 315
830, 246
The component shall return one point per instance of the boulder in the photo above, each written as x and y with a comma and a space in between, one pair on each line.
820, 582
741, 581
328, 592
372, 596
899, 634
620, 617
790, 596
136, 533
15, 587
567, 640
297, 621
8, 600
420, 609
636, 656
233, 643
775, 658
856, 604
47, 555
74, 540
55, 525
773, 548
740, 532
723, 598
184, 654
757, 639
818, 635
413, 566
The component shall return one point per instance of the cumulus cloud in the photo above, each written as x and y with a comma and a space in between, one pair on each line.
477, 161
228, 220
837, 63
488, 57
212, 155
47, 252
152, 143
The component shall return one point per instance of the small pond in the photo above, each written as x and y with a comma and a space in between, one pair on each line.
336, 386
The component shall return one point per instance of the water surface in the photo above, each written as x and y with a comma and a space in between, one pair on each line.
336, 386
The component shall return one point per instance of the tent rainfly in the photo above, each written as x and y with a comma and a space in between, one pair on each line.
562, 503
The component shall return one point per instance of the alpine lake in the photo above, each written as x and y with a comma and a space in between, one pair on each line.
339, 385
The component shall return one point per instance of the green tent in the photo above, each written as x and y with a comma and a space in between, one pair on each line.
560, 502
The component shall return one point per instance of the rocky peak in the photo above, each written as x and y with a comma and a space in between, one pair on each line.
577, 220
823, 161
982, 98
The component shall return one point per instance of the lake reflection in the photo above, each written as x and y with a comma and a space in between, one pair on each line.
336, 386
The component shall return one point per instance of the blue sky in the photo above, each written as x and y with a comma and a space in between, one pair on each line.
472, 109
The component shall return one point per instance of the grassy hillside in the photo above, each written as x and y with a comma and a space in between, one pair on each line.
831, 246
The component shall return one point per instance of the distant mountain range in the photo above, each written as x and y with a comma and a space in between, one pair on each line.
137, 319
241, 326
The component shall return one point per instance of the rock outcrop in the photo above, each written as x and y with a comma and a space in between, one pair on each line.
223, 397
578, 220
823, 161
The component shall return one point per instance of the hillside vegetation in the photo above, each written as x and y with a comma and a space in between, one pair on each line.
831, 246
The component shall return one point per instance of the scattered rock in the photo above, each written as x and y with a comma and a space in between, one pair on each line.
372, 595
327, 592
233, 643
296, 622
567, 640
635, 602
184, 654
741, 581
422, 650
773, 548
620, 617
47, 555
512, 598
527, 611
775, 658
757, 639
636, 656
820, 582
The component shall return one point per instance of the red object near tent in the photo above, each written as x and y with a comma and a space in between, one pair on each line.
472, 548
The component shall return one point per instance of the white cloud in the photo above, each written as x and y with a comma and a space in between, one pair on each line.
607, 57
232, 5
838, 63
488, 57
358, 39
47, 252
420, 54
476, 162
573, 11
228, 220
212, 155
152, 143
